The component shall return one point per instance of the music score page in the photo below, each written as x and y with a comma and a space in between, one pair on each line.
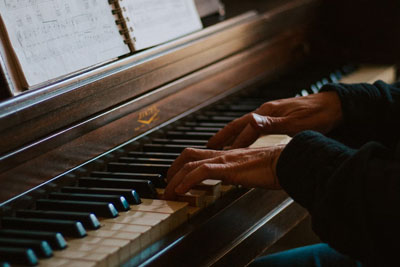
153, 22
54, 38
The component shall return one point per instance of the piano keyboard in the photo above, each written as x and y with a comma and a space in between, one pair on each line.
111, 215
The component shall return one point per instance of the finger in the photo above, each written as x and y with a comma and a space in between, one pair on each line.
202, 172
225, 135
182, 172
270, 125
169, 192
188, 155
228, 142
246, 137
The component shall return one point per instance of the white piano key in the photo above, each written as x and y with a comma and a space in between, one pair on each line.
65, 262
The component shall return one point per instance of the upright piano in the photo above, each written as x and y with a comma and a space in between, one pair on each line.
82, 161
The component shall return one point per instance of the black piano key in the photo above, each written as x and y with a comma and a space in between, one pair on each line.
67, 228
197, 129
138, 167
236, 114
21, 256
319, 84
314, 89
89, 220
120, 203
100, 209
325, 81
55, 239
159, 155
189, 135
187, 142
145, 188
131, 196
346, 69
167, 148
41, 248
247, 100
339, 74
205, 124
334, 78
145, 160
156, 179
235, 108
223, 119
304, 92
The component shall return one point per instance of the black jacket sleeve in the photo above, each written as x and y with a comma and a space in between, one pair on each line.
353, 195
370, 112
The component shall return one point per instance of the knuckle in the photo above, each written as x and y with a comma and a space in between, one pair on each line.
206, 167
190, 154
269, 107
266, 105
187, 152
223, 159
188, 166
232, 124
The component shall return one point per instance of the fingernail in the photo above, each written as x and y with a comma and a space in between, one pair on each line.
259, 120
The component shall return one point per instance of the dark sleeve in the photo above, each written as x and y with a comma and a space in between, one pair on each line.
353, 196
370, 112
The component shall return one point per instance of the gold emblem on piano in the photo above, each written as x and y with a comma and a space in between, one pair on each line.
147, 116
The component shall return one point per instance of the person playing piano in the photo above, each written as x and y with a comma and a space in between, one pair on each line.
342, 164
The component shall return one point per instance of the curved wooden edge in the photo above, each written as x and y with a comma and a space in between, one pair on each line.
234, 236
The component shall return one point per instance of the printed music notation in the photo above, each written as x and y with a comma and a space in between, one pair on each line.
165, 10
52, 38
154, 21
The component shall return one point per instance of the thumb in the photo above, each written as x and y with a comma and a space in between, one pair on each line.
267, 125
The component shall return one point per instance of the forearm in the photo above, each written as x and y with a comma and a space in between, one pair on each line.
352, 195
370, 112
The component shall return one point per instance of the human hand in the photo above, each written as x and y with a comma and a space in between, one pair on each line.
249, 167
319, 112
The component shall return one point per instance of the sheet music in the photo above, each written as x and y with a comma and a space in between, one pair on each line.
52, 38
154, 22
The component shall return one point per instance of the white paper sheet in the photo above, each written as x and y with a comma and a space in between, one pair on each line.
53, 38
158, 21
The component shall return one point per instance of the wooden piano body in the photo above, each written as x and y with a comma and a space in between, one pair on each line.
52, 135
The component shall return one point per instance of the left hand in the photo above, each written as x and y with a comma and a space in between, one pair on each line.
249, 167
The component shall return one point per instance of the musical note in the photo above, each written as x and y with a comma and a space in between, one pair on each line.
154, 22
52, 38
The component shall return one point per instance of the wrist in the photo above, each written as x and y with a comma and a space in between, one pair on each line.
333, 108
276, 154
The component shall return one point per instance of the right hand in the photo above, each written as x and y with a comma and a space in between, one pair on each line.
319, 112
249, 167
